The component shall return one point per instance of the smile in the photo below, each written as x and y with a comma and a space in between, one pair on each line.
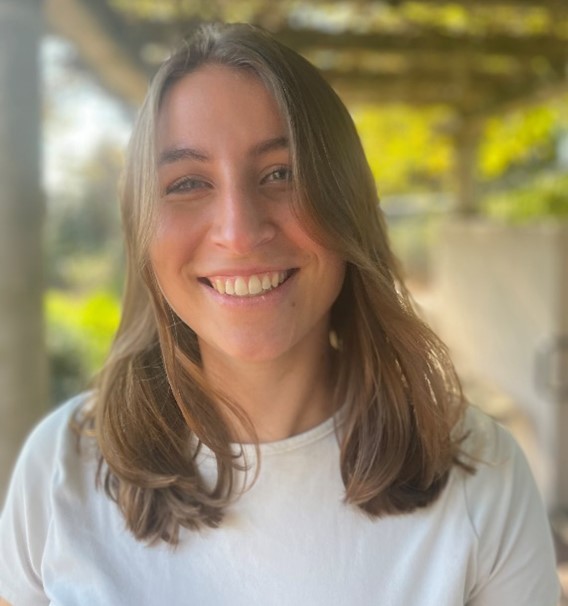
248, 286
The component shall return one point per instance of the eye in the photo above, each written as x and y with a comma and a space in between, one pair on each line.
282, 174
186, 185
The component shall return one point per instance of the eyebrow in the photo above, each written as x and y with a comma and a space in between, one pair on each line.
175, 154
270, 145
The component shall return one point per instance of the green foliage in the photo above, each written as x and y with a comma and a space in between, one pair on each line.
79, 333
482, 19
545, 197
407, 147
365, 16
404, 147
83, 232
84, 269
175, 10
522, 137
83, 272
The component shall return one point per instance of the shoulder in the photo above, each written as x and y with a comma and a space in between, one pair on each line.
514, 550
501, 472
49, 463
53, 438
486, 441
50, 456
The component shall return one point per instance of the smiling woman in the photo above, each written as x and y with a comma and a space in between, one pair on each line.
272, 405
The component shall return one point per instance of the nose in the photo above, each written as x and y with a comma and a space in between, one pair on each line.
242, 221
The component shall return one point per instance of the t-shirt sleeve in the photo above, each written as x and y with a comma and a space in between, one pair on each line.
26, 516
516, 563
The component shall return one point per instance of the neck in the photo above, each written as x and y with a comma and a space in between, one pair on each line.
281, 397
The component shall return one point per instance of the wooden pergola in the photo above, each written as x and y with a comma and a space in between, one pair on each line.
477, 69
492, 55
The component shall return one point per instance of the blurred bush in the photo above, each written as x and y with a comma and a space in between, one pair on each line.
79, 333
545, 197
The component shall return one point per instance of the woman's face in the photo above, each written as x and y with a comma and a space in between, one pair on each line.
230, 256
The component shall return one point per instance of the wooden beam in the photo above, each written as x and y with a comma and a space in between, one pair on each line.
401, 93
417, 78
470, 4
107, 56
472, 94
551, 4
511, 100
429, 41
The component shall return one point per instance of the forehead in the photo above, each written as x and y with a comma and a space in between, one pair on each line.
217, 102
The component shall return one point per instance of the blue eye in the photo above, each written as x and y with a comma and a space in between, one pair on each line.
184, 185
281, 174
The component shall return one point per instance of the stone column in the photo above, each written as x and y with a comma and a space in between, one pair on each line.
23, 376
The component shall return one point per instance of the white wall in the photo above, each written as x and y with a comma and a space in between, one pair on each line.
502, 296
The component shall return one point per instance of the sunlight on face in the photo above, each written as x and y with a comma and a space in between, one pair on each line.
231, 257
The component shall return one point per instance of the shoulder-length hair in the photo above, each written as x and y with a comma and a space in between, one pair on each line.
153, 407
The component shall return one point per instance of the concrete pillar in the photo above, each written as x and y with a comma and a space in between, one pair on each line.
23, 376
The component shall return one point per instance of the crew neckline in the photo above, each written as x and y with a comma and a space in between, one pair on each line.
300, 440
286, 445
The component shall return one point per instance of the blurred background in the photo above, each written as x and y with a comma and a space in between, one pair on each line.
462, 107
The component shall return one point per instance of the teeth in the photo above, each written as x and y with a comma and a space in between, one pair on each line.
241, 287
248, 286
254, 285
220, 286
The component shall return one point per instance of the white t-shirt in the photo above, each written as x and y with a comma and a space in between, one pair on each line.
289, 541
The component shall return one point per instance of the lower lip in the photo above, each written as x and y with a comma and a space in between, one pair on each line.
269, 297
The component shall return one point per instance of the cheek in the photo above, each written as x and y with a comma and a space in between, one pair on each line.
336, 271
170, 226
333, 268
330, 276
174, 240
330, 263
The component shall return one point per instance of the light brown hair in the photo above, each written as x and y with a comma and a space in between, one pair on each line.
152, 404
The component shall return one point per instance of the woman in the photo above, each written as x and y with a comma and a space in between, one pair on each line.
274, 424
